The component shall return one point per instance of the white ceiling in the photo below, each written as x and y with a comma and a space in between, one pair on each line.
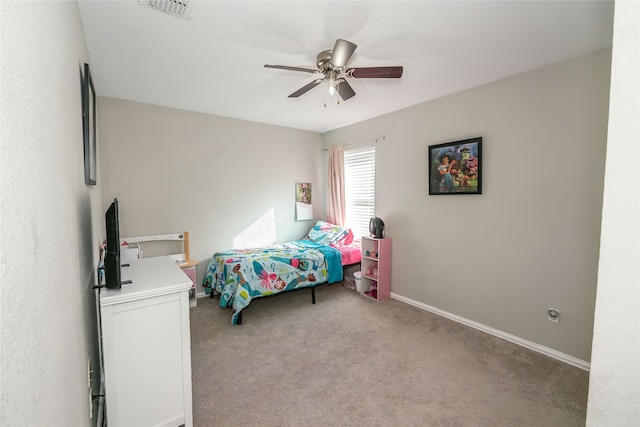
213, 62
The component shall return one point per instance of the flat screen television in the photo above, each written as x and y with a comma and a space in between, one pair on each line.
112, 265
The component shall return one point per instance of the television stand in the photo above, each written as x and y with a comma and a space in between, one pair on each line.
146, 345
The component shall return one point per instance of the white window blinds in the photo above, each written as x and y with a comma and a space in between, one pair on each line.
360, 177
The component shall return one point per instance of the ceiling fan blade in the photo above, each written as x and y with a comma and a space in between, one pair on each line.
305, 88
345, 90
286, 67
341, 53
375, 72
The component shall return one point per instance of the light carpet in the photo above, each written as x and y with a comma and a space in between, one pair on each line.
352, 361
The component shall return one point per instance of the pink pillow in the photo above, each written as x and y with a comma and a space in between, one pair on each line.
348, 238
345, 239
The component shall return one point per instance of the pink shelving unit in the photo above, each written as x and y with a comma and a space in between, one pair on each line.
375, 267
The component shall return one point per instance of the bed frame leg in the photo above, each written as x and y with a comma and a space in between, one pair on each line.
313, 295
239, 320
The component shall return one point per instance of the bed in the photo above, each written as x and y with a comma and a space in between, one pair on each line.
242, 275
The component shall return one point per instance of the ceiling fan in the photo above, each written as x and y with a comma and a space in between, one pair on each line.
332, 65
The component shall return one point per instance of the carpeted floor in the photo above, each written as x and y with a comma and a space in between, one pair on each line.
351, 361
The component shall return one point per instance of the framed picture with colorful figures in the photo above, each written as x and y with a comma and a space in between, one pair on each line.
456, 167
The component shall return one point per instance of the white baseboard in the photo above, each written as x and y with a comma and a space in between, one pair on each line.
547, 351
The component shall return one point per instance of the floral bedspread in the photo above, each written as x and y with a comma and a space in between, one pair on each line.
242, 275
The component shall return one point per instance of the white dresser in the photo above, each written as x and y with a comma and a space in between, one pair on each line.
146, 346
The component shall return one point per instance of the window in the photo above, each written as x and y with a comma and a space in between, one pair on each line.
359, 181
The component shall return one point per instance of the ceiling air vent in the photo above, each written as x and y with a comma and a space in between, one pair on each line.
177, 8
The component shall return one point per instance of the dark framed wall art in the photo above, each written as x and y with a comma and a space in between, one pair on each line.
456, 167
89, 127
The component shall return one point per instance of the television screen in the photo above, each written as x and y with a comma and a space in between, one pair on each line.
112, 256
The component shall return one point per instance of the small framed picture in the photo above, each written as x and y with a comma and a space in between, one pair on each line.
456, 167
89, 127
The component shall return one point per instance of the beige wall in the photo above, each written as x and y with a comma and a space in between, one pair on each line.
50, 221
174, 170
531, 241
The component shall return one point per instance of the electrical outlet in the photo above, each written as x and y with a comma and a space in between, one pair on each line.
553, 315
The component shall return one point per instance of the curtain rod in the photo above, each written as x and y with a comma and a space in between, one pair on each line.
375, 139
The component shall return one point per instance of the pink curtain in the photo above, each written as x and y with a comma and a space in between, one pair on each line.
336, 210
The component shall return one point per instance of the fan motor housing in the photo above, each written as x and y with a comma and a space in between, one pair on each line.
322, 61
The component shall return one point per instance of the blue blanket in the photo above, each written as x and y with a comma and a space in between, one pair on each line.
242, 275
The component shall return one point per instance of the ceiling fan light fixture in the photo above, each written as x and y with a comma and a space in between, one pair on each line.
178, 8
332, 81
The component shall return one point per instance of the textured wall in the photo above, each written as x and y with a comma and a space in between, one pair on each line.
614, 388
48, 217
